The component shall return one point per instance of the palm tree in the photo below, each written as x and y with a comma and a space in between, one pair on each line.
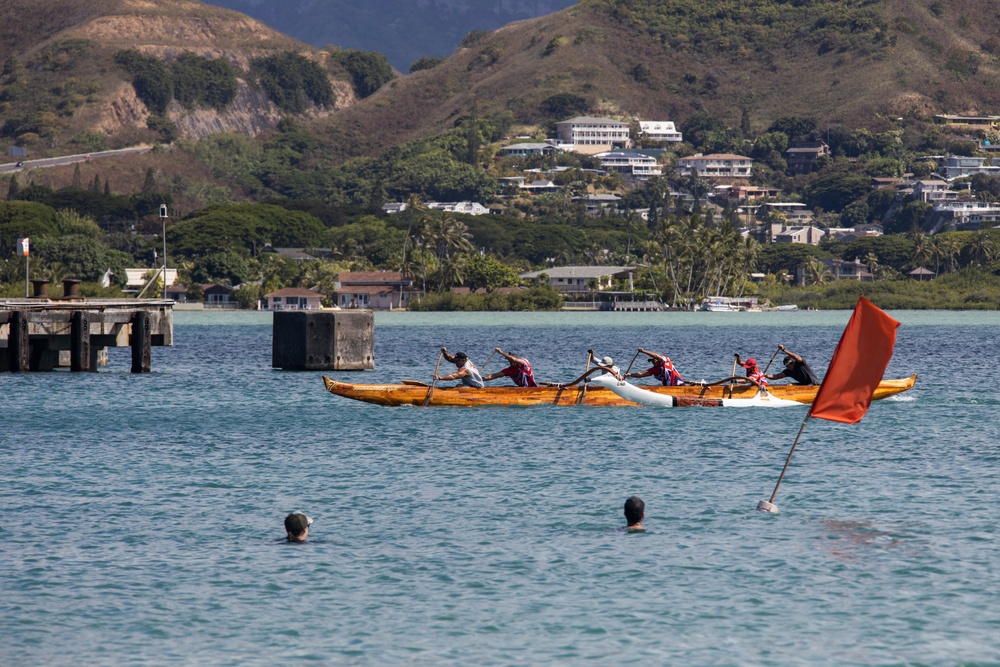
947, 247
981, 248
871, 263
923, 249
817, 272
449, 238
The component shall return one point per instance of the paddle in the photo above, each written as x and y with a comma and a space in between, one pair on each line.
772, 359
430, 391
733, 374
583, 392
483, 367
632, 362
414, 383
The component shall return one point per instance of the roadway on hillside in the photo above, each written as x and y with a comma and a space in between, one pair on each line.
44, 162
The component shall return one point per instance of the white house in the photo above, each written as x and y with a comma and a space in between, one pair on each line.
292, 298
632, 163
572, 279
587, 130
660, 130
957, 166
467, 207
716, 165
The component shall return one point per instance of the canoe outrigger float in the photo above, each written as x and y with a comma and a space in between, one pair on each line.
715, 394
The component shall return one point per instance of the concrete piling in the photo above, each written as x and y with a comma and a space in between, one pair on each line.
338, 340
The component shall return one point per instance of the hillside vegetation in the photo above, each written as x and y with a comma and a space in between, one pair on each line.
191, 70
859, 63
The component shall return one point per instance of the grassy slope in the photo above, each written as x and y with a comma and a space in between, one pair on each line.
910, 73
38, 28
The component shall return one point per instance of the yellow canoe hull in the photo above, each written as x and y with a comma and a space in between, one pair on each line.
450, 396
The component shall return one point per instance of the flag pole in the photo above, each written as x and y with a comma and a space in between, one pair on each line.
768, 505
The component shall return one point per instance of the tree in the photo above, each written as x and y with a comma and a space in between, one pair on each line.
796, 128
835, 190
77, 178
817, 273
369, 70
488, 272
981, 249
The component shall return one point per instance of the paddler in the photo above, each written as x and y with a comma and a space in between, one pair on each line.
661, 368
753, 370
467, 372
795, 368
519, 371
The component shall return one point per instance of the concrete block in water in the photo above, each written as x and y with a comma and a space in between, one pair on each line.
339, 340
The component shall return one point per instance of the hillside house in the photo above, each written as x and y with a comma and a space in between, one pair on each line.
526, 149
965, 215
596, 204
379, 290
540, 186
591, 131
986, 122
660, 130
795, 213
958, 166
840, 270
394, 207
578, 279
631, 163
748, 193
932, 191
292, 298
466, 207
802, 157
806, 234
716, 165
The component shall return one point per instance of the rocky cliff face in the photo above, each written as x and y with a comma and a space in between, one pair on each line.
188, 27
251, 113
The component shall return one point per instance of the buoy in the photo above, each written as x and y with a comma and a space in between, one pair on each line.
765, 506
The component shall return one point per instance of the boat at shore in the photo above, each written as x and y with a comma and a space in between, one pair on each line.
420, 394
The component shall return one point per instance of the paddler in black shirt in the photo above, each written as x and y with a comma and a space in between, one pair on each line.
795, 368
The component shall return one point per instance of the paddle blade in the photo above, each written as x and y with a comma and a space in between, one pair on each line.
858, 364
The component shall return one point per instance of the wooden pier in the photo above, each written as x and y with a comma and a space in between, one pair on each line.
42, 333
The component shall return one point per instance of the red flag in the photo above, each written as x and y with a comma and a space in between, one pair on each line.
858, 364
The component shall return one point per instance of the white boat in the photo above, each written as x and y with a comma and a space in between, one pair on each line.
790, 306
718, 307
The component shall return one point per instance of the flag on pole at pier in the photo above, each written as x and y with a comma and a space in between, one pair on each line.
858, 364
23, 246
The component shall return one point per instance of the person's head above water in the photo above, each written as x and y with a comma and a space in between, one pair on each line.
297, 527
635, 511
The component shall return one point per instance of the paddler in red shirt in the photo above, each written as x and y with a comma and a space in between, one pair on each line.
519, 371
662, 369
753, 371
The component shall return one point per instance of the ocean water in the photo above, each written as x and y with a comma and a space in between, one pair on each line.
141, 515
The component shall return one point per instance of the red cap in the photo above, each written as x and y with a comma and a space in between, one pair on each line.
750, 362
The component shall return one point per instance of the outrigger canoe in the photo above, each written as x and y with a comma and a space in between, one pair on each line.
418, 393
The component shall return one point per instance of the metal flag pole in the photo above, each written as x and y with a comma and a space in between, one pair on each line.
768, 505
163, 218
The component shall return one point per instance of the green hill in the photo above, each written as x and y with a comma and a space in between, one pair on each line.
63, 83
859, 63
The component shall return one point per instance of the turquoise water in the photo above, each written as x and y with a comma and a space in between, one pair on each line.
139, 514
